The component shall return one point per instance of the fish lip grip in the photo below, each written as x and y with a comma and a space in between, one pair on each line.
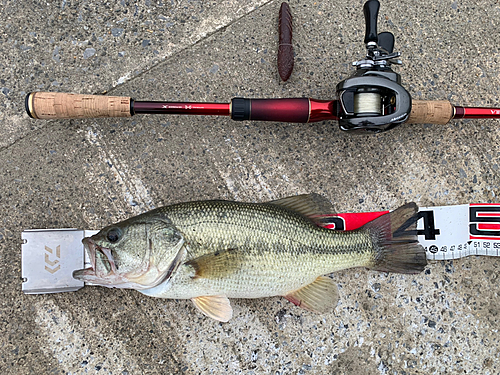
372, 101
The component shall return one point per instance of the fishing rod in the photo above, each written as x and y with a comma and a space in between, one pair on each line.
371, 100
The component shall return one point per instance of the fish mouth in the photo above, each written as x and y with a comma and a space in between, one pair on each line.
108, 274
104, 273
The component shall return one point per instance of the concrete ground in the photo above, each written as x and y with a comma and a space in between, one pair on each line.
89, 173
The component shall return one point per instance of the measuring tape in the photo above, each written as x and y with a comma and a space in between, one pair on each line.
49, 256
446, 232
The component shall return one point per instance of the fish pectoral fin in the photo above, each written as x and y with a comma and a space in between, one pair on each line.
320, 296
216, 265
215, 307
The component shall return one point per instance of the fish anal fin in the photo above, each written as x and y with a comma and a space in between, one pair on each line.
216, 265
215, 307
320, 296
309, 205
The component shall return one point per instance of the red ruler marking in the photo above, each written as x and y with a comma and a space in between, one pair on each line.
353, 220
489, 214
357, 220
484, 238
488, 226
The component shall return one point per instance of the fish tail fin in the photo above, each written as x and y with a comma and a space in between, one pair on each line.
395, 241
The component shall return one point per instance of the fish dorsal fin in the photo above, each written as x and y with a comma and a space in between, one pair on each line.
320, 296
215, 307
309, 205
216, 265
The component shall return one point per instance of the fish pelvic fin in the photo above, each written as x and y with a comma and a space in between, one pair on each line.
320, 296
215, 307
395, 241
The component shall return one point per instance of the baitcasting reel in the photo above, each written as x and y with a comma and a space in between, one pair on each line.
372, 99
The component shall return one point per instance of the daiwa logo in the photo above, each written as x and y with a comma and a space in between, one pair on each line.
50, 264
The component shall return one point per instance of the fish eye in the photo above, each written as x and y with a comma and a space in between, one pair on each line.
113, 235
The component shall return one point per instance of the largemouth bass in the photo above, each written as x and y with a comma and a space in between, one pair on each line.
210, 251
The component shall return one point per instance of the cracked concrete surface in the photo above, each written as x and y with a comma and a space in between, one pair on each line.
89, 173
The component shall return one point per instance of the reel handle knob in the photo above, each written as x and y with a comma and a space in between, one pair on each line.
370, 10
386, 41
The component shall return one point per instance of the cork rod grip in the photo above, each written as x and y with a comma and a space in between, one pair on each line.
430, 112
53, 105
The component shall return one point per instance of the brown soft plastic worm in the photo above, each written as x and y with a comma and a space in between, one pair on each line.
285, 48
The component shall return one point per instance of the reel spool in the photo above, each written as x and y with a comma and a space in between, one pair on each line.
367, 103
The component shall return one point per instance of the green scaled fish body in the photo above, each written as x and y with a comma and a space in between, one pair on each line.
210, 251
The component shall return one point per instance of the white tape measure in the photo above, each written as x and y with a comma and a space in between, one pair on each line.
452, 232
446, 232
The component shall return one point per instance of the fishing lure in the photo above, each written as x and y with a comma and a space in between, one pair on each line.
285, 48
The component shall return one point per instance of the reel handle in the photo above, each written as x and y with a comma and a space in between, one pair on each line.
56, 105
370, 10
